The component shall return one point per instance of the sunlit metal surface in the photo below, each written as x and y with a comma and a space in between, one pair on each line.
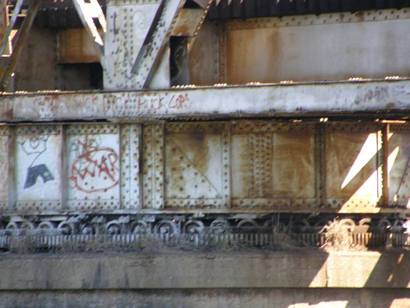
296, 100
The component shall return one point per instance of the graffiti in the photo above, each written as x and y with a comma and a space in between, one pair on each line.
179, 101
156, 103
146, 104
94, 168
35, 147
49, 106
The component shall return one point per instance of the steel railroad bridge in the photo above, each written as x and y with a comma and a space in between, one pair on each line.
268, 125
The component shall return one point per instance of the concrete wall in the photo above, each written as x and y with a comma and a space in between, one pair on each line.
297, 278
229, 298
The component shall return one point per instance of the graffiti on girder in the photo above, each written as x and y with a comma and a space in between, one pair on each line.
95, 168
35, 147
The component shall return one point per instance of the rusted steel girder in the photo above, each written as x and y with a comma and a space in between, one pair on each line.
240, 166
297, 100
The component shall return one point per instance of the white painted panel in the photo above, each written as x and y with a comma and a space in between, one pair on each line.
38, 167
93, 172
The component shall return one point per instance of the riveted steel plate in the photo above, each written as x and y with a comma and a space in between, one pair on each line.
242, 165
130, 169
93, 167
301, 48
353, 166
4, 166
128, 23
197, 165
38, 168
399, 165
273, 165
153, 165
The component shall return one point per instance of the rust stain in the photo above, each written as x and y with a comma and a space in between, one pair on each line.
245, 51
246, 167
8, 114
187, 151
195, 148
181, 29
293, 165
360, 16
197, 143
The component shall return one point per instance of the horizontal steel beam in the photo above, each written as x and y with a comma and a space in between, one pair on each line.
295, 100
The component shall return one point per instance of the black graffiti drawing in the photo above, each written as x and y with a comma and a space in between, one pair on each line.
35, 147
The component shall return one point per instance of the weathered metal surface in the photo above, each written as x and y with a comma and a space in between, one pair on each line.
399, 165
130, 150
243, 9
149, 56
129, 44
227, 166
61, 13
4, 167
74, 46
90, 11
3, 16
381, 97
8, 25
203, 56
273, 165
7, 67
353, 172
302, 48
153, 166
197, 165
187, 22
135, 232
128, 25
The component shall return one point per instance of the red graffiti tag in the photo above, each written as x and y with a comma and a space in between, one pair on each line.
95, 170
179, 102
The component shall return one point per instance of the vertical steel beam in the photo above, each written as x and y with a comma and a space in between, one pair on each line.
129, 24
12, 191
7, 68
385, 164
6, 35
64, 169
87, 12
151, 52
4, 16
227, 166
130, 190
320, 165
153, 165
